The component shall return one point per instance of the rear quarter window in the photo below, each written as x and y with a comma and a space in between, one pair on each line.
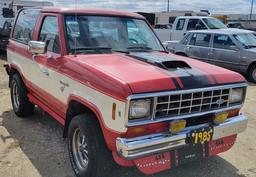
25, 24
180, 24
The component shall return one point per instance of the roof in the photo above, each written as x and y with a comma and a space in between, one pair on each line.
223, 31
196, 17
91, 12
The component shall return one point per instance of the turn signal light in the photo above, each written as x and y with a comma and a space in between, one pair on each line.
136, 131
177, 126
233, 113
220, 118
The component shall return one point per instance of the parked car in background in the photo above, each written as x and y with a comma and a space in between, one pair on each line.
4, 33
234, 49
235, 25
183, 24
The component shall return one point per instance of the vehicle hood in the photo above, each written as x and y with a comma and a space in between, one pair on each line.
154, 71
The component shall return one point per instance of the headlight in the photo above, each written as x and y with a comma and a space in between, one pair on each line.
237, 95
140, 109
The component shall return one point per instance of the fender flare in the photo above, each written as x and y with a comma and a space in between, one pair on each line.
109, 134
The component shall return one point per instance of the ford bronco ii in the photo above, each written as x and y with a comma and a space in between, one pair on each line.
105, 76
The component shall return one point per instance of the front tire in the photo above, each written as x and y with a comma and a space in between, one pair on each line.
22, 107
252, 74
88, 153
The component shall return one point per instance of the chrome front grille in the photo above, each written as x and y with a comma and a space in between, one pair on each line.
186, 103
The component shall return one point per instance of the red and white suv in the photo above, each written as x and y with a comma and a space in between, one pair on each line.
105, 76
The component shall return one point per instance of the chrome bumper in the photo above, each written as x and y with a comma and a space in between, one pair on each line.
139, 147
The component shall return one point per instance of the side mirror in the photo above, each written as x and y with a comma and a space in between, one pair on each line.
234, 47
36, 47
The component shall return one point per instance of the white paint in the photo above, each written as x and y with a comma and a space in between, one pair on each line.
34, 73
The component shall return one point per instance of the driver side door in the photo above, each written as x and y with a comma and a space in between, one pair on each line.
46, 66
224, 54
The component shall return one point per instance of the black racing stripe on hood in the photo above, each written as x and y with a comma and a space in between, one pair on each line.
172, 78
140, 58
190, 77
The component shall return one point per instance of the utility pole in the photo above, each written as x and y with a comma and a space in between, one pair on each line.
168, 6
251, 11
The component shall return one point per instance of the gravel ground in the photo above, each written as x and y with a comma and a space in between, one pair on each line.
34, 147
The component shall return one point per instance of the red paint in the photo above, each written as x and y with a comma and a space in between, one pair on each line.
46, 108
49, 100
90, 12
154, 164
122, 162
221, 145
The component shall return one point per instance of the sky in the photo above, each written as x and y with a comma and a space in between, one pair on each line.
215, 6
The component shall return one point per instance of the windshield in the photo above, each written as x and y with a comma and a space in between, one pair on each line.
248, 40
214, 23
88, 33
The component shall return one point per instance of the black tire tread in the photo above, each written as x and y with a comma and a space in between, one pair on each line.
101, 159
26, 108
250, 77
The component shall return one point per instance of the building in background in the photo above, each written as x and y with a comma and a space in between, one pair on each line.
244, 20
161, 18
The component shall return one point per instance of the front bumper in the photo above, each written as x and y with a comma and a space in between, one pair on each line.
134, 148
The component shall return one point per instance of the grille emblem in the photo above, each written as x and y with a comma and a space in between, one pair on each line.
220, 101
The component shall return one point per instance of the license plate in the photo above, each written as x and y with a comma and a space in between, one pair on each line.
201, 136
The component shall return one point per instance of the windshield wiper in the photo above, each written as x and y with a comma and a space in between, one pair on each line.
121, 51
94, 49
139, 48
91, 48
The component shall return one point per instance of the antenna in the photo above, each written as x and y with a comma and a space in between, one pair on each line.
76, 21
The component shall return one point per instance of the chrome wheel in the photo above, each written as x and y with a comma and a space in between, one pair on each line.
80, 150
15, 95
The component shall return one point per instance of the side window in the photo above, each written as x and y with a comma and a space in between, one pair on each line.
50, 34
193, 39
180, 24
222, 42
202, 40
186, 39
195, 24
25, 24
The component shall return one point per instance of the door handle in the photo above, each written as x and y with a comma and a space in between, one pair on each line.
188, 47
45, 72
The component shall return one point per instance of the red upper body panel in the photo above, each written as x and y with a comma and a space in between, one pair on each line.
91, 12
120, 70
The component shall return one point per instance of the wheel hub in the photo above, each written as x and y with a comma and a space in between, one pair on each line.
80, 150
15, 95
